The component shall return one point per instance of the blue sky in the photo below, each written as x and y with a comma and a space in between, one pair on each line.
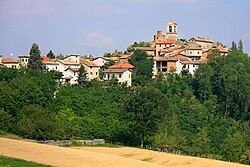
98, 26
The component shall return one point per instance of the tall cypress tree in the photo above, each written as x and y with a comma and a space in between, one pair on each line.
82, 76
35, 61
240, 46
234, 46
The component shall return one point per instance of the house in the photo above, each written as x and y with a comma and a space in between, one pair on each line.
205, 43
24, 59
123, 75
1, 64
123, 58
191, 66
122, 66
69, 61
10, 62
70, 75
91, 68
50, 63
100, 61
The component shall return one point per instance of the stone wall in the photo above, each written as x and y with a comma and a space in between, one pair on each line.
70, 142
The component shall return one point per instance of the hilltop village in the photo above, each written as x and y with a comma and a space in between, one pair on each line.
169, 54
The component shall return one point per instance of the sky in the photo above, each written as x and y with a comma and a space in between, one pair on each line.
96, 26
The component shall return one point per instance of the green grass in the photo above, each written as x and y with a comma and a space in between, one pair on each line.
12, 162
9, 135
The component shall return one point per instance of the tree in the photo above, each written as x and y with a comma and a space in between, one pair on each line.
35, 60
82, 76
201, 142
131, 47
143, 67
143, 109
60, 56
108, 64
51, 55
240, 46
234, 46
35, 122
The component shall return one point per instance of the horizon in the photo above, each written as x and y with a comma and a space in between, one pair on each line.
94, 27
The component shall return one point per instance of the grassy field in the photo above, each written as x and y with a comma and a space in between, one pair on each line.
11, 162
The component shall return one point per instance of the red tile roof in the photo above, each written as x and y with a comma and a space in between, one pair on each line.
46, 59
9, 60
73, 69
122, 66
166, 41
115, 70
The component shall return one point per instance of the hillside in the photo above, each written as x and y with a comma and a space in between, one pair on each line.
97, 156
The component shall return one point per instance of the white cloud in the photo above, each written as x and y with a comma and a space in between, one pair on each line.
97, 40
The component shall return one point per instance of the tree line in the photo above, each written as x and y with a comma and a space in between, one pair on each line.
204, 115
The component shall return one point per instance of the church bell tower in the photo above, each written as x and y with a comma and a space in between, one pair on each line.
172, 30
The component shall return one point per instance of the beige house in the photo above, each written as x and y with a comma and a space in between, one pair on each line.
91, 68
123, 75
10, 62
100, 61
24, 59
205, 43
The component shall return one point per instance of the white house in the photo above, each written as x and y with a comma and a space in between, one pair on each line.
50, 63
123, 75
91, 68
70, 75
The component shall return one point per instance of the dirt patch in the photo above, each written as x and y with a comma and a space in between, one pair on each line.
160, 158
100, 156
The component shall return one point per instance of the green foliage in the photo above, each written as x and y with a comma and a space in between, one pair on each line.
35, 122
142, 72
60, 56
35, 60
108, 64
5, 120
143, 109
240, 46
51, 55
234, 46
131, 47
12, 162
82, 76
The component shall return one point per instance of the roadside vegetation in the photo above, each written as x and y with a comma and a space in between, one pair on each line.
204, 115
12, 162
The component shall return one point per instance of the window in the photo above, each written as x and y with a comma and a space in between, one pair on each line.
96, 73
188, 66
164, 64
175, 29
198, 52
190, 52
91, 73
170, 28
129, 75
90, 67
120, 75
194, 65
56, 67
22, 60
26, 60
